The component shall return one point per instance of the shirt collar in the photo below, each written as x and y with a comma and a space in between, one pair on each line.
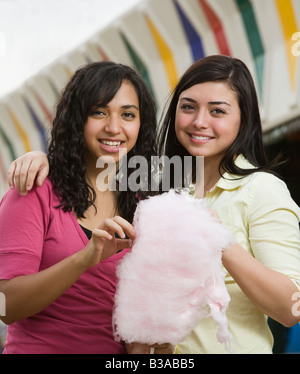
230, 181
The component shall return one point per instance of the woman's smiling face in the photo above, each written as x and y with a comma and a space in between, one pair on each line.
113, 130
207, 119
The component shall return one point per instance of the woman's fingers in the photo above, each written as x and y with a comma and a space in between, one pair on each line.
36, 171
26, 169
119, 244
20, 175
123, 243
11, 174
102, 234
119, 226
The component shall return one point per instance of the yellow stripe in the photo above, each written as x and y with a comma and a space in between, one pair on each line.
69, 72
165, 54
20, 130
289, 26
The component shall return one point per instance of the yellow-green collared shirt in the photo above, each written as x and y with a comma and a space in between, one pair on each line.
263, 218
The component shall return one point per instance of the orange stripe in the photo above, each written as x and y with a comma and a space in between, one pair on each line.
165, 53
21, 131
289, 27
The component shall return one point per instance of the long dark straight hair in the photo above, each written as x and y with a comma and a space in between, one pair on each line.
95, 84
249, 141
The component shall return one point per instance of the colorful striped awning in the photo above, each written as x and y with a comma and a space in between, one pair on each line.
160, 42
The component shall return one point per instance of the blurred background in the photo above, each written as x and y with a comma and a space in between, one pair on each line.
42, 43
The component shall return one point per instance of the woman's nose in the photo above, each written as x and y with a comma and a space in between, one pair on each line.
200, 120
113, 125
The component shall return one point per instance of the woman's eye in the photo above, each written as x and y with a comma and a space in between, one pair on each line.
98, 113
128, 115
187, 107
218, 111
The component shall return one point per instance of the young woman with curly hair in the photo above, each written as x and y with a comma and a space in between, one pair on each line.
59, 244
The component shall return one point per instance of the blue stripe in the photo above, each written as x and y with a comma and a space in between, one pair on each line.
38, 125
194, 39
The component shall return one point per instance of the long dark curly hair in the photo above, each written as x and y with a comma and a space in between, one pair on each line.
249, 141
95, 84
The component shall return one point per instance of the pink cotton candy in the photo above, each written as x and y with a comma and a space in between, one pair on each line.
173, 276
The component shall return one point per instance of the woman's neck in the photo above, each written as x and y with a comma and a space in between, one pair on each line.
101, 179
106, 207
105, 201
211, 174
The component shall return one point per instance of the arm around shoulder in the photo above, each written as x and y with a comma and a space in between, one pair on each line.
33, 167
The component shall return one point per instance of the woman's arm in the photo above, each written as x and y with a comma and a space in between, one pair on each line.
270, 277
29, 294
269, 290
33, 166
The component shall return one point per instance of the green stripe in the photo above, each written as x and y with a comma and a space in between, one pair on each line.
56, 92
8, 143
139, 65
255, 41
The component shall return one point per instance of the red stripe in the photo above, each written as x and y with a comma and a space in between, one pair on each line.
103, 54
217, 28
46, 111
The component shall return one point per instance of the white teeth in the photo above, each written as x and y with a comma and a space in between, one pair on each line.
200, 137
110, 143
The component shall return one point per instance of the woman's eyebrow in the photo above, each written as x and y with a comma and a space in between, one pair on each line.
188, 99
217, 102
129, 106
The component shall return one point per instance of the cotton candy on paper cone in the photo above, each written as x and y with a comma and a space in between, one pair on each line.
173, 275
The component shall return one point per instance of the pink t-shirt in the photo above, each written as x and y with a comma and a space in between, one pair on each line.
35, 235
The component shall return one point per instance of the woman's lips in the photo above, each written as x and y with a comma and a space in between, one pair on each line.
111, 145
200, 139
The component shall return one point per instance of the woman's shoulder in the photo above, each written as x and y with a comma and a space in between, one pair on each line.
44, 195
264, 179
268, 190
267, 177
267, 181
45, 191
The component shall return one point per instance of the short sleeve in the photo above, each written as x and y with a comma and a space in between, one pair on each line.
274, 226
23, 226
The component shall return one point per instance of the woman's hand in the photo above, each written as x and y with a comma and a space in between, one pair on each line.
215, 215
36, 291
104, 243
33, 166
